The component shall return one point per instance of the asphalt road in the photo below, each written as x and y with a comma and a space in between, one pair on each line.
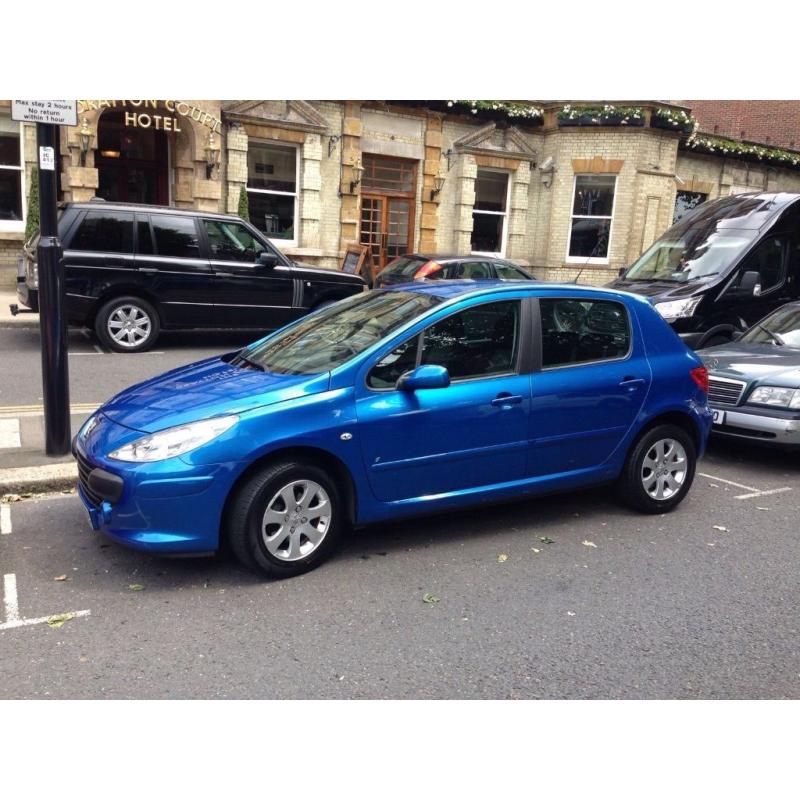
659, 607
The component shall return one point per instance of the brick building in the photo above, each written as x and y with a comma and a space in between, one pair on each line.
772, 122
557, 186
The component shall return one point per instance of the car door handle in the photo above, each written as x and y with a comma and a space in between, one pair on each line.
506, 400
631, 383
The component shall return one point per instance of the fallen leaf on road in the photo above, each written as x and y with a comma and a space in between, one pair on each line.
711, 544
546, 540
501, 558
720, 528
715, 485
587, 543
429, 598
761, 508
135, 587
570, 613
536, 550
10, 498
60, 578
57, 620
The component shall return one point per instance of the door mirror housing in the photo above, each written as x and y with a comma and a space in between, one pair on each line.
426, 376
750, 284
267, 260
621, 272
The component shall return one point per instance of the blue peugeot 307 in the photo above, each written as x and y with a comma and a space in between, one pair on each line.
415, 399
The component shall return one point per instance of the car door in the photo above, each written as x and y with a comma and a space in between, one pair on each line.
247, 294
177, 272
470, 434
590, 385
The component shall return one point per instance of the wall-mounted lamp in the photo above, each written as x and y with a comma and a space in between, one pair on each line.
332, 140
546, 170
212, 155
438, 183
448, 154
85, 136
358, 171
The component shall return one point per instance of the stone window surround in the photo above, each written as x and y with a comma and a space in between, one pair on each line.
298, 158
15, 225
505, 214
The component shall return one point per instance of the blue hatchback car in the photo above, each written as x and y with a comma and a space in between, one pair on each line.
404, 401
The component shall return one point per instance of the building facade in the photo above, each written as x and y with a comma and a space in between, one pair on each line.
560, 187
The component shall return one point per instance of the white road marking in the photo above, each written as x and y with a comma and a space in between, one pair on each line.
751, 490
99, 349
9, 433
100, 352
5, 519
11, 601
10, 597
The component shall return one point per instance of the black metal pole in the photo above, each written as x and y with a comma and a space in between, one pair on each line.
52, 322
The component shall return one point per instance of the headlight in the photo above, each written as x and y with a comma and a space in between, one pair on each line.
775, 396
174, 441
676, 309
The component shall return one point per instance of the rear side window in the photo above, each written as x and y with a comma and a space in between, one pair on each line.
581, 331
175, 236
508, 272
105, 232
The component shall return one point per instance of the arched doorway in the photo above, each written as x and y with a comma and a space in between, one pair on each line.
132, 162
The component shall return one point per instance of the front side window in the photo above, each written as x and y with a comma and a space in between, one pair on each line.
686, 202
785, 322
11, 175
272, 189
489, 214
767, 260
592, 209
581, 331
176, 236
231, 241
105, 232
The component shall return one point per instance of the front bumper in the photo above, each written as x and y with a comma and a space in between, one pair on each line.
762, 427
168, 507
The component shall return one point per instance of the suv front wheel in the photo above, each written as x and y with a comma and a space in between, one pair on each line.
127, 325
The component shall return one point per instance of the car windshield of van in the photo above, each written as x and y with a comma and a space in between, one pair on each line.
691, 253
781, 327
330, 337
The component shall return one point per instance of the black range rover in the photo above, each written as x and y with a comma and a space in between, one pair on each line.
133, 270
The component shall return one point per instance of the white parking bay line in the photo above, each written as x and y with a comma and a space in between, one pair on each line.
725, 480
11, 602
764, 493
5, 519
9, 433
752, 491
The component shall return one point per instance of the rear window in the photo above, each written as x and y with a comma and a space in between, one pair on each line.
105, 232
175, 236
407, 267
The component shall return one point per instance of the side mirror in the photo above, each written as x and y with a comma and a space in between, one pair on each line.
267, 260
622, 271
750, 284
427, 376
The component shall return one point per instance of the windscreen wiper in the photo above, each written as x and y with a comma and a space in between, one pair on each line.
243, 359
776, 337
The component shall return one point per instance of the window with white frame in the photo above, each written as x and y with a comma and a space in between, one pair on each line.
490, 213
592, 211
272, 180
12, 175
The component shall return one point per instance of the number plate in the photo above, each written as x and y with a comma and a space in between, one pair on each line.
719, 416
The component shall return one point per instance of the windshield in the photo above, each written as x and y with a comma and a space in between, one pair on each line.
327, 339
785, 322
690, 253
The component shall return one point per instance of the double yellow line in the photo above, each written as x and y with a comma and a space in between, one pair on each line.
35, 410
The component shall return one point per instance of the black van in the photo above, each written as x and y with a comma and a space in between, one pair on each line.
723, 267
132, 270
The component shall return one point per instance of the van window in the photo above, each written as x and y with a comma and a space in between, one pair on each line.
175, 236
766, 259
105, 232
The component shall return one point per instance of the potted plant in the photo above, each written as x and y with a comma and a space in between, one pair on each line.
606, 115
673, 120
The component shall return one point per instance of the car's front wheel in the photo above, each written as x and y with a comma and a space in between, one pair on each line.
285, 520
659, 470
127, 325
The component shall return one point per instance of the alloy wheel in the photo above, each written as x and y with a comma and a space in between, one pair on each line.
296, 520
129, 325
664, 469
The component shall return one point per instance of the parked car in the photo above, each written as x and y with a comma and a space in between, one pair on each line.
418, 267
723, 266
754, 382
134, 270
421, 398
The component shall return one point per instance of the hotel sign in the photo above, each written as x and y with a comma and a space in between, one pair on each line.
163, 115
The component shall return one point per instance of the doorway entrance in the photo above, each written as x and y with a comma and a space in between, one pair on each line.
387, 207
132, 163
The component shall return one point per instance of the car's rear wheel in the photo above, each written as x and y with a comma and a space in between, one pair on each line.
127, 325
659, 470
286, 519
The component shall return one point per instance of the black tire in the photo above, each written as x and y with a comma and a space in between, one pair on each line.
245, 520
119, 304
631, 483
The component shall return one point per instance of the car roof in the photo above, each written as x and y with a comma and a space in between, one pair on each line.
443, 258
107, 205
449, 289
749, 210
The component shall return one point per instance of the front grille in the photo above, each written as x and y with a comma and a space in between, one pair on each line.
723, 391
84, 468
